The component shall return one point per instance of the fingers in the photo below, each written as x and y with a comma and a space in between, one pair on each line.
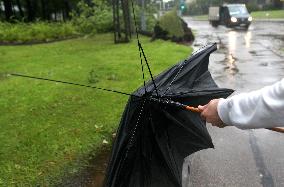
200, 107
203, 109
209, 113
220, 125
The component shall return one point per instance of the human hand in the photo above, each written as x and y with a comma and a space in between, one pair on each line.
210, 114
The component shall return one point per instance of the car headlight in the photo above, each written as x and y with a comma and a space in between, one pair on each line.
250, 18
233, 19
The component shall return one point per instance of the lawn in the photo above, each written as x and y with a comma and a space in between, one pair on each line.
201, 17
49, 130
271, 14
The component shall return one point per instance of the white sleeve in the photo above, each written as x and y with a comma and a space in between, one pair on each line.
263, 108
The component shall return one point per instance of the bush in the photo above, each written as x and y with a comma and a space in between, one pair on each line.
35, 32
252, 7
171, 23
174, 28
92, 19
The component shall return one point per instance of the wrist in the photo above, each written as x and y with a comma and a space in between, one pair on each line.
223, 111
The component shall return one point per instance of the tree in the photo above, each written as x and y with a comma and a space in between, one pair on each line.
30, 10
117, 22
19, 4
66, 10
8, 9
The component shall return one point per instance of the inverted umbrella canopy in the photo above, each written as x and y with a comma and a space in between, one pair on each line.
153, 138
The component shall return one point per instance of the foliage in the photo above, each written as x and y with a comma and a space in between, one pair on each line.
92, 19
252, 6
201, 6
171, 23
35, 32
149, 12
48, 130
88, 19
31, 10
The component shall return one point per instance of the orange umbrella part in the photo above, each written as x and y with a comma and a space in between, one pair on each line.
276, 129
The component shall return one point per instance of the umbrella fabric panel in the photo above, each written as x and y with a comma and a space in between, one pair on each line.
182, 76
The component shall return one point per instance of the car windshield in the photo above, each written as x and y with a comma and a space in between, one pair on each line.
238, 10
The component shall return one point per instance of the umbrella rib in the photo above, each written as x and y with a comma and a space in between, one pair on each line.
168, 88
194, 54
141, 51
171, 151
75, 84
104, 89
142, 69
149, 69
134, 131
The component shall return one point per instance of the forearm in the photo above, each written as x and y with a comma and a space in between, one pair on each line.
258, 109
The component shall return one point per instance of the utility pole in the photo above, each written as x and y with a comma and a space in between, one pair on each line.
143, 19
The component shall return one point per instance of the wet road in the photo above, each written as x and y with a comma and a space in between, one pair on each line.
245, 60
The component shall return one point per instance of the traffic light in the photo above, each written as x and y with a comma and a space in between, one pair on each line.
182, 7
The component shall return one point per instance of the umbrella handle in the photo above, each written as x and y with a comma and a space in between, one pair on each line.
192, 109
276, 129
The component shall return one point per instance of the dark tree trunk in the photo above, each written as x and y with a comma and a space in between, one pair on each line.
126, 19
116, 21
35, 8
66, 11
20, 8
43, 10
30, 10
121, 34
8, 9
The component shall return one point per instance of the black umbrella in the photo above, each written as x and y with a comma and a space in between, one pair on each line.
156, 133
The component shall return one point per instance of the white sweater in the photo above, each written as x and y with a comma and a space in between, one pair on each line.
263, 108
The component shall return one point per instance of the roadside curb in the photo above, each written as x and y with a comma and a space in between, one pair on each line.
269, 20
256, 20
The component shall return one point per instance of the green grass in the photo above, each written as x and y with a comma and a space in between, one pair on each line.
200, 17
271, 14
48, 130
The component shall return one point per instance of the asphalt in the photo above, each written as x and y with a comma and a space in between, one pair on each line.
246, 60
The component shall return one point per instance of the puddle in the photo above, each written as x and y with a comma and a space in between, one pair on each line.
264, 64
93, 175
98, 170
